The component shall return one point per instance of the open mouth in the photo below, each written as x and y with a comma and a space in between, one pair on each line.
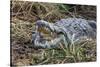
46, 33
43, 37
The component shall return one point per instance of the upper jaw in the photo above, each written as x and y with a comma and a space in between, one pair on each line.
42, 23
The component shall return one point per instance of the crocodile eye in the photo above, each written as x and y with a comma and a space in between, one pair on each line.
33, 32
75, 27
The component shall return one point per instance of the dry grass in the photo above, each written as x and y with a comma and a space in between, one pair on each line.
23, 16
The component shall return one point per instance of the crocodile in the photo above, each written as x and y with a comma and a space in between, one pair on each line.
65, 31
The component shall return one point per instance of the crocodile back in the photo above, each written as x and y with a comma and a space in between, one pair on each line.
77, 28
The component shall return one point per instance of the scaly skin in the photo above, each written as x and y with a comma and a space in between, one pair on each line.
68, 31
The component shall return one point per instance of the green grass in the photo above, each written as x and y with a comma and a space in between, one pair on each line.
85, 52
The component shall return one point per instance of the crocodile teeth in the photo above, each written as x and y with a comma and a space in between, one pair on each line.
36, 28
51, 33
46, 29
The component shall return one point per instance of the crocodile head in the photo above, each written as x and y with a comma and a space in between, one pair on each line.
45, 29
46, 35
